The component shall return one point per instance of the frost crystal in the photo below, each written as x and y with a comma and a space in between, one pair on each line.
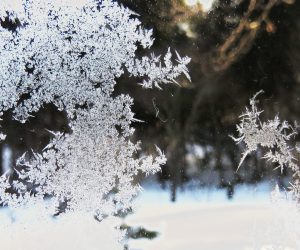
272, 135
70, 55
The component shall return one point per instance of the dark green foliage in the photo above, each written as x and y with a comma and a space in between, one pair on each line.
139, 232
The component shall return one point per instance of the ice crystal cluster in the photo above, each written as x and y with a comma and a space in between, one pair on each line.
70, 55
273, 136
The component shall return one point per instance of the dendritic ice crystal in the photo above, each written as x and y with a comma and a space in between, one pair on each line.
274, 136
70, 55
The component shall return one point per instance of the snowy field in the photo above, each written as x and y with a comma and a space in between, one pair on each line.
192, 224
203, 226
203, 220
206, 220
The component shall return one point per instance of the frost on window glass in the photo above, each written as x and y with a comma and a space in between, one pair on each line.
272, 135
71, 55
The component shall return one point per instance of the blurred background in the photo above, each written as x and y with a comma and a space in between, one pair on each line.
238, 47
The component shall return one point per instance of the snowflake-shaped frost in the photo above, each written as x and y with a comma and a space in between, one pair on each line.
70, 55
272, 135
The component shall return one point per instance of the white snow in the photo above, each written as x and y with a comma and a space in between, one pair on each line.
199, 220
246, 223
71, 232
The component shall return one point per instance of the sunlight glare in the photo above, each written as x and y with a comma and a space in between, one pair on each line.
205, 4
191, 2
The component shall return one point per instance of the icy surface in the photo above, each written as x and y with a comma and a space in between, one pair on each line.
70, 55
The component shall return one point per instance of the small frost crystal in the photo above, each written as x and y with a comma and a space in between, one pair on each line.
69, 55
272, 135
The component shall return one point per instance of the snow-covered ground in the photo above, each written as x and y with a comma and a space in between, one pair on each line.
199, 220
74, 232
217, 226
206, 220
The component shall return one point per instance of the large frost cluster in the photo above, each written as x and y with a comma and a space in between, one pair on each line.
273, 136
70, 55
